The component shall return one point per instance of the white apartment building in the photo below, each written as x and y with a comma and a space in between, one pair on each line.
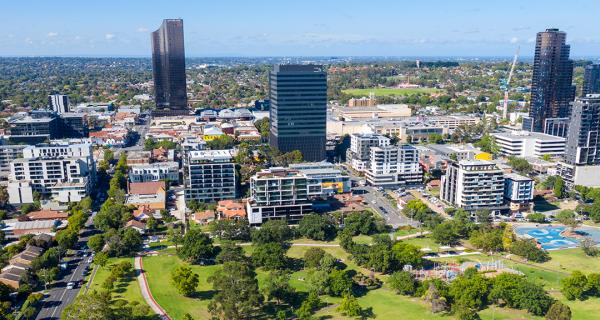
360, 149
64, 172
518, 190
391, 166
278, 193
473, 185
323, 179
209, 175
166, 171
529, 144
9, 153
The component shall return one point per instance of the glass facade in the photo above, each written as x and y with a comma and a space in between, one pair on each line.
168, 66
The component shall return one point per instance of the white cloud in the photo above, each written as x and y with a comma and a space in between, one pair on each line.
52, 34
109, 36
531, 40
142, 29
514, 40
28, 41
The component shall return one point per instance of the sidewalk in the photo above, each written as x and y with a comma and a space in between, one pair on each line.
141, 277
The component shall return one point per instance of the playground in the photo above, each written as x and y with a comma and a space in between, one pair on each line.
553, 238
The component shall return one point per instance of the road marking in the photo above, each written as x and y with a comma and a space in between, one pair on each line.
65, 290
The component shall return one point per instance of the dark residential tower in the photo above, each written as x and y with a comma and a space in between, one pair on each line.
298, 113
168, 66
551, 87
591, 79
583, 139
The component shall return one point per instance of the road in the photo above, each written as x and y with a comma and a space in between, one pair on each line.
380, 204
59, 297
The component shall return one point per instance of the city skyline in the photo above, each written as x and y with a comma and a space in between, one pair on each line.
236, 28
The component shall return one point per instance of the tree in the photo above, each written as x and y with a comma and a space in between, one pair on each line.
588, 245
487, 240
184, 280
175, 235
559, 187
574, 286
272, 231
230, 229
470, 290
508, 237
483, 217
407, 254
528, 249
109, 283
308, 306
277, 286
196, 247
66, 238
536, 217
237, 294
435, 138
312, 257
568, 218
101, 258
444, 234
96, 242
263, 127
47, 276
151, 224
3, 196
317, 281
403, 282
520, 164
317, 227
231, 252
221, 143
349, 306
487, 143
433, 296
270, 256
515, 291
92, 306
340, 282
559, 311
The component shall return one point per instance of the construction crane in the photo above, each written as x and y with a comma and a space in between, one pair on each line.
505, 85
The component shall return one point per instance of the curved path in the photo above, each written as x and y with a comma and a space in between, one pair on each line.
141, 277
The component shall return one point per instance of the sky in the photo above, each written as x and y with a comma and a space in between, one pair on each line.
297, 27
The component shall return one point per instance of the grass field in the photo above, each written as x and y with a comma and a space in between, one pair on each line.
389, 91
128, 290
382, 302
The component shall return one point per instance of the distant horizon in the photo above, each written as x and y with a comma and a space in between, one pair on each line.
262, 28
520, 58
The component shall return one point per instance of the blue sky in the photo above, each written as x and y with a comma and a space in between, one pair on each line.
297, 27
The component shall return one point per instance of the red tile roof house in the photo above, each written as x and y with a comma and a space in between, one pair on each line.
47, 215
204, 217
230, 209
136, 225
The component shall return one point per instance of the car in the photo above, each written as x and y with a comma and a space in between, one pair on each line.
71, 285
373, 201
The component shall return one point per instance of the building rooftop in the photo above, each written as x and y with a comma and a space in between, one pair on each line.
517, 177
145, 188
210, 155
518, 135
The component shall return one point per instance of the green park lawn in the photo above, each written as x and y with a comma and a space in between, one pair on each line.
389, 91
382, 302
128, 290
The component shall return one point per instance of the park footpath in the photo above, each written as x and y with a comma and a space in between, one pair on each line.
141, 277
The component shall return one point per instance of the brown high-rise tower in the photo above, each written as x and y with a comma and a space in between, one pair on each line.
168, 66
